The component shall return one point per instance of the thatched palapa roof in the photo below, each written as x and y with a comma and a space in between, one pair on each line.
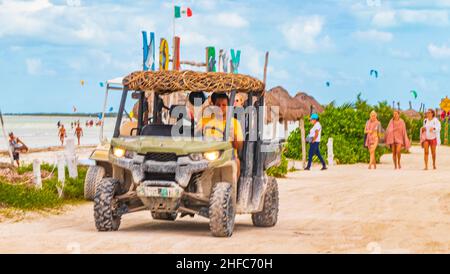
289, 108
176, 81
412, 114
309, 101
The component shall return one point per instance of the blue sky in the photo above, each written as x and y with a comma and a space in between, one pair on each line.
48, 46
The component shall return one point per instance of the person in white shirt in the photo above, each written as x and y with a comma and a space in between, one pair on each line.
314, 140
431, 136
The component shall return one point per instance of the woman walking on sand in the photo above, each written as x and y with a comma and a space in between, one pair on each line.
314, 140
430, 136
397, 138
372, 130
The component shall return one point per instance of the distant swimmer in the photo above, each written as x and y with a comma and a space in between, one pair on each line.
62, 134
17, 146
78, 132
58, 124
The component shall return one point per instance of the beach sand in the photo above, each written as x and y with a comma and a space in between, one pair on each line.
346, 209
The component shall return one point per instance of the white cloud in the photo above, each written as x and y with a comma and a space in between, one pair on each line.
439, 52
305, 34
384, 19
427, 17
73, 3
35, 67
374, 36
231, 20
68, 24
391, 17
400, 54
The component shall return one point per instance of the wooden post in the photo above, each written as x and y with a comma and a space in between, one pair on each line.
303, 138
37, 180
61, 175
446, 131
71, 158
330, 152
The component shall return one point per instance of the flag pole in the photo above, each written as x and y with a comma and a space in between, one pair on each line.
173, 24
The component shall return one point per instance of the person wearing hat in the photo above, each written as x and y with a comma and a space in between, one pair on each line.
314, 140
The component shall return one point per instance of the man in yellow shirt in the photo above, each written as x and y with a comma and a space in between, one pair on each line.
214, 126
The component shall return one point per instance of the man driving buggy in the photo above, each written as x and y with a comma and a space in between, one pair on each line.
213, 127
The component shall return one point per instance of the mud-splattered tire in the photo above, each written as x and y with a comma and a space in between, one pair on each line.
221, 210
165, 216
105, 213
93, 177
269, 216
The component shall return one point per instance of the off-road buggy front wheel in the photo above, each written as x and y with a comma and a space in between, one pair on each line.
165, 216
269, 216
93, 177
221, 210
106, 208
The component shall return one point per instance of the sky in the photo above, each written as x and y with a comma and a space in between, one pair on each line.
48, 46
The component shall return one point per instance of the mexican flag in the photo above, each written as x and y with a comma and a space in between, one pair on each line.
182, 12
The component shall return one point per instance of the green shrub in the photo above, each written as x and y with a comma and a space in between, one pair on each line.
29, 198
281, 170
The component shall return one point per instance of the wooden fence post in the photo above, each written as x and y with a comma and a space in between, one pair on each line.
61, 175
37, 180
71, 158
303, 138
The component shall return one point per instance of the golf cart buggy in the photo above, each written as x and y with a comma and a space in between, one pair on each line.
171, 170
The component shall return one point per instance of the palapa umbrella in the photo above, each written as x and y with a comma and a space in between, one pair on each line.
412, 114
309, 101
289, 108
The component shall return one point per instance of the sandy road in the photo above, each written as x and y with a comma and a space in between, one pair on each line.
344, 210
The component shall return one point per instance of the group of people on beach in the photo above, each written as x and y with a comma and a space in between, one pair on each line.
62, 133
397, 139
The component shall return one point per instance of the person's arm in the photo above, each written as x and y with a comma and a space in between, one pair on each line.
238, 141
366, 129
316, 135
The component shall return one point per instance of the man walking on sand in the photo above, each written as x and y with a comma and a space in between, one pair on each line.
78, 133
62, 134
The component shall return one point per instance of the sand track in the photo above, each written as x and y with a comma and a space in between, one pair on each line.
344, 210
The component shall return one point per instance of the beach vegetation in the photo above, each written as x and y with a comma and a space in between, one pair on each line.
25, 196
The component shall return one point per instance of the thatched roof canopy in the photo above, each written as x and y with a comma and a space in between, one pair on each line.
289, 109
176, 81
412, 114
309, 101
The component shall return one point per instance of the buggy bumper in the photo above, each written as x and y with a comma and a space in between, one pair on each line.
183, 168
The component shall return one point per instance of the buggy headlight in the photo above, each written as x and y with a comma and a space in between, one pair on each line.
118, 152
196, 156
211, 156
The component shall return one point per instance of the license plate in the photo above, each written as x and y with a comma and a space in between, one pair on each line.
160, 192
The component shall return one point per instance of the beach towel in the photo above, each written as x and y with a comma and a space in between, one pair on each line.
391, 138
